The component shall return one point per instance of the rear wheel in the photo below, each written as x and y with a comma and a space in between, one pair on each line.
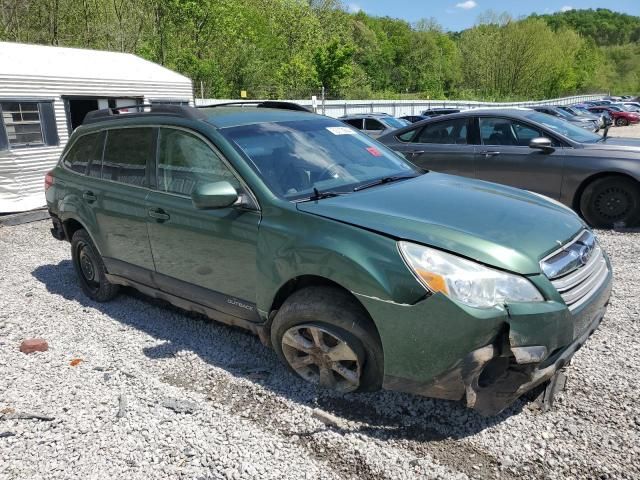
325, 336
621, 122
611, 201
90, 268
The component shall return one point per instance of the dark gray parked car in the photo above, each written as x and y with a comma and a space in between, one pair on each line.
598, 177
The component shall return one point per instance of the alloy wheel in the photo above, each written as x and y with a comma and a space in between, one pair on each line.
322, 357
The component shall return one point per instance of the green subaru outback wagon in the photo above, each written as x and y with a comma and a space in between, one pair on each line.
359, 270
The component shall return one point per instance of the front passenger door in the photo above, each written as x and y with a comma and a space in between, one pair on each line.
505, 157
206, 256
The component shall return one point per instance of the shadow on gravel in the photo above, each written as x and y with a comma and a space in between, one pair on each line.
386, 415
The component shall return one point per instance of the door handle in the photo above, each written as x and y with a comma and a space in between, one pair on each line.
417, 152
159, 214
490, 153
89, 196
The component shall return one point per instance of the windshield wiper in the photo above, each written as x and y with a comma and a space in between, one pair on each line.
382, 181
318, 195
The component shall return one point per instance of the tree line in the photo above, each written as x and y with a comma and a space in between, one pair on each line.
293, 48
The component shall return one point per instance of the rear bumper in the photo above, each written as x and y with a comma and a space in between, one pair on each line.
58, 229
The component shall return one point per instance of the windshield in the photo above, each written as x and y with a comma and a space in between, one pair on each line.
564, 128
615, 109
295, 157
395, 122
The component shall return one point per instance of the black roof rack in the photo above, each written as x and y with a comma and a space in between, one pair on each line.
261, 104
161, 109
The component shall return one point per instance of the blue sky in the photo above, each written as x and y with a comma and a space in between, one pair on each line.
461, 14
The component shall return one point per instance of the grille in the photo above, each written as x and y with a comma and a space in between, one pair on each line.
577, 270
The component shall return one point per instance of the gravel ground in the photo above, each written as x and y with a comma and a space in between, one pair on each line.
630, 131
159, 393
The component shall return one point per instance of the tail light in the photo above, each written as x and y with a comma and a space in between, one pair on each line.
48, 181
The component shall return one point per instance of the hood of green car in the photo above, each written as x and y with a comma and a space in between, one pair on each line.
501, 226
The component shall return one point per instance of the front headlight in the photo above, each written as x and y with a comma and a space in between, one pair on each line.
465, 281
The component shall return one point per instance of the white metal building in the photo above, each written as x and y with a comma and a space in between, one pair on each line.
45, 93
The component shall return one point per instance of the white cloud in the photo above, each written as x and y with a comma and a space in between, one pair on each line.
468, 5
353, 8
566, 8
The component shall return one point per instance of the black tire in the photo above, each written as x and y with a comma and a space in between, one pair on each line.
611, 201
90, 268
338, 313
621, 122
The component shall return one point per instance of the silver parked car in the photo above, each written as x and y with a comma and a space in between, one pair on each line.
374, 124
599, 177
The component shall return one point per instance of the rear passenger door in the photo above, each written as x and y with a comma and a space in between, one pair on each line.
444, 146
207, 256
118, 201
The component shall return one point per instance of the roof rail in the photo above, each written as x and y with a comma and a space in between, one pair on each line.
182, 111
261, 104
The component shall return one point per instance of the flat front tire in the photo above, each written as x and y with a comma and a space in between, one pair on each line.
90, 268
611, 201
325, 336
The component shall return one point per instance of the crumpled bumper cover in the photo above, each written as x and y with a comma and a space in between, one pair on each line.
491, 377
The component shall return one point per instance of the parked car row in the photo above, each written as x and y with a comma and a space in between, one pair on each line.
595, 175
365, 264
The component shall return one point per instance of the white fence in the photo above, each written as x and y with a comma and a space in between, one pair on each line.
398, 108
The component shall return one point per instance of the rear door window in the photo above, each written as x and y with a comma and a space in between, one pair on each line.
85, 156
126, 154
451, 132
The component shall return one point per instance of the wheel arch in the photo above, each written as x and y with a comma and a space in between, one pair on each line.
71, 226
575, 204
304, 281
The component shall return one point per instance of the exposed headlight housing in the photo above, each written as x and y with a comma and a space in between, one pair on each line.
466, 281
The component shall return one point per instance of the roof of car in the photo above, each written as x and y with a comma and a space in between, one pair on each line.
223, 117
218, 116
513, 111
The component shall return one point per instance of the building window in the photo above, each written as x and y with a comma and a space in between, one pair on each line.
22, 123
27, 124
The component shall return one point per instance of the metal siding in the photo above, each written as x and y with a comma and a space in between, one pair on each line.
22, 170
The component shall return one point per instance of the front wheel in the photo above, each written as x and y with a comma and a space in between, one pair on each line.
621, 122
325, 336
90, 268
611, 201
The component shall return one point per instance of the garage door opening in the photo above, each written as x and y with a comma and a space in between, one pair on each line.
77, 108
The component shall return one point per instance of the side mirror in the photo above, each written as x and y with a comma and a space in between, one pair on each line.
542, 143
209, 196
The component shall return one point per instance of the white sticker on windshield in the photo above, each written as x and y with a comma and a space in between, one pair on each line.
341, 130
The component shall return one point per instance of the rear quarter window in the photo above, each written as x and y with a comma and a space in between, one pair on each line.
85, 154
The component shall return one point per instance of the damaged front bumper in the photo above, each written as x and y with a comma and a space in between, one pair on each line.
513, 352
